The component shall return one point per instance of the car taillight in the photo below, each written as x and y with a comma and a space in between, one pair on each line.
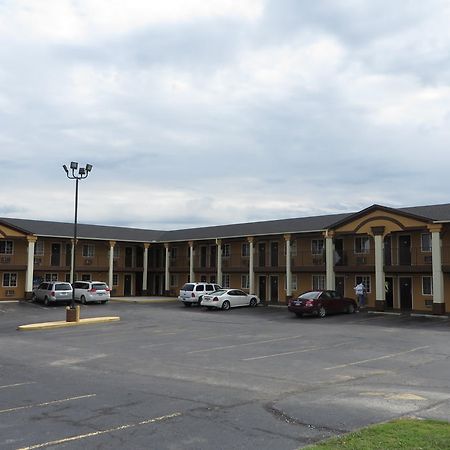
92, 290
309, 303
192, 295
215, 299
108, 290
52, 293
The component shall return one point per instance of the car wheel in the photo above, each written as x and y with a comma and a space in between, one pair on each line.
103, 302
253, 302
187, 304
226, 305
322, 312
299, 314
46, 302
83, 299
350, 309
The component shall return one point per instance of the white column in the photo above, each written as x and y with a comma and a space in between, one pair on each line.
251, 267
287, 238
380, 289
329, 258
167, 275
145, 273
438, 279
111, 263
219, 261
30, 264
191, 262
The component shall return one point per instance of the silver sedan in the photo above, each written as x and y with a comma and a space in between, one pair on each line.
229, 298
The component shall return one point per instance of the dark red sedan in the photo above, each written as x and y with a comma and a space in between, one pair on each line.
321, 303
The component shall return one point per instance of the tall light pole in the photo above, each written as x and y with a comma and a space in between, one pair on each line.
83, 172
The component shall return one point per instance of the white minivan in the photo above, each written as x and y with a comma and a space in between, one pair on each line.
192, 293
91, 291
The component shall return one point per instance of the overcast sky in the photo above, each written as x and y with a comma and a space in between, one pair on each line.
198, 113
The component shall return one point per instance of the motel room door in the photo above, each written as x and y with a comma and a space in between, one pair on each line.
405, 293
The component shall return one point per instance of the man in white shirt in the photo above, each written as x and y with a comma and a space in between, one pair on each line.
360, 291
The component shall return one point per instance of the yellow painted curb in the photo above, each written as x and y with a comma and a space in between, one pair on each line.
63, 324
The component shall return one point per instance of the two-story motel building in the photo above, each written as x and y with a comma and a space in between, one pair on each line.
402, 256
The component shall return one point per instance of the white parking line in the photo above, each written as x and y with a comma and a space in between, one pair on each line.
100, 432
303, 350
213, 349
39, 405
16, 384
392, 355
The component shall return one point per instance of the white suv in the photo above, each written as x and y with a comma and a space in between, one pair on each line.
192, 293
91, 291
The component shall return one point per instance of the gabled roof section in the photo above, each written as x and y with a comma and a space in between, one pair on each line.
65, 230
406, 212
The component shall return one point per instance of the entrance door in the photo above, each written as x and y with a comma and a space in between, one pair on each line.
127, 285
340, 286
339, 252
405, 294
274, 254
262, 254
387, 251
389, 292
404, 250
55, 259
274, 288
262, 288
128, 256
139, 278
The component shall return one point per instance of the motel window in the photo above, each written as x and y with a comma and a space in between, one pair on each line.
6, 247
116, 251
39, 248
51, 277
293, 283
225, 280
317, 246
245, 249
10, 279
245, 282
425, 242
88, 250
318, 282
67, 277
173, 280
362, 244
364, 279
115, 279
226, 250
427, 285
173, 255
293, 248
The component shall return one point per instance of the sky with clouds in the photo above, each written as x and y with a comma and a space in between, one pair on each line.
197, 113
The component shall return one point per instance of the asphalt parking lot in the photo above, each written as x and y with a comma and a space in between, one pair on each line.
169, 377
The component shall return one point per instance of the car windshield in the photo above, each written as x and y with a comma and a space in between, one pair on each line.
188, 287
63, 287
99, 286
309, 295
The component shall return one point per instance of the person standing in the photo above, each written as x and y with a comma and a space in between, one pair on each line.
360, 291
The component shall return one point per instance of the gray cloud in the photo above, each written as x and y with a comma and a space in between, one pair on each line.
310, 108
